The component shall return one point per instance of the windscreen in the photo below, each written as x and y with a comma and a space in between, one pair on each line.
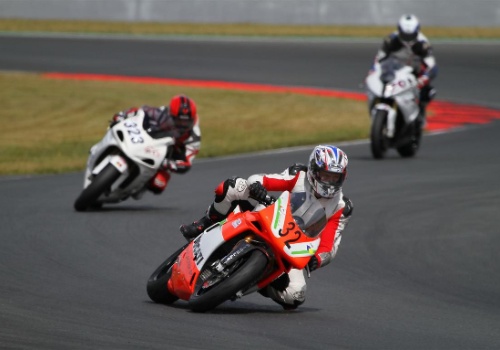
308, 213
159, 128
389, 66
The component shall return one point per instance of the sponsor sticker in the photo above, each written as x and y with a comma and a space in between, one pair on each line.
236, 223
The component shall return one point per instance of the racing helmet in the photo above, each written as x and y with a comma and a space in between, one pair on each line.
183, 111
408, 28
327, 170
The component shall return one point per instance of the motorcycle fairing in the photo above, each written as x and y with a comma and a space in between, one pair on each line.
187, 268
401, 88
116, 160
128, 138
286, 236
184, 274
138, 144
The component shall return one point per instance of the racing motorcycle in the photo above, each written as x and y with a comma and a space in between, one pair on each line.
121, 164
396, 117
241, 254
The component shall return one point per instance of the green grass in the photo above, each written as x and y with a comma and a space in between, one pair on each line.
151, 28
49, 125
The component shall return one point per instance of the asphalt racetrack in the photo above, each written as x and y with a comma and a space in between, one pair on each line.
418, 267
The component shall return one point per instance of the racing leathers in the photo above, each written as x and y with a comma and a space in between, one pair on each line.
289, 290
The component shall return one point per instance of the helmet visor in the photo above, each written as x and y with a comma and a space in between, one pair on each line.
408, 36
184, 122
329, 178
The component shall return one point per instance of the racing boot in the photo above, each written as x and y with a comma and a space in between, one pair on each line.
280, 293
192, 231
427, 94
159, 182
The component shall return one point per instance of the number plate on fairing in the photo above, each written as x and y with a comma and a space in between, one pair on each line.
134, 131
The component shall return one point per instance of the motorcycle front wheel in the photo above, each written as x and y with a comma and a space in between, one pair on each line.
157, 283
411, 148
378, 139
100, 184
213, 291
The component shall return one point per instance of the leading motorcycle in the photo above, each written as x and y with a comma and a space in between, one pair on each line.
396, 117
241, 254
122, 163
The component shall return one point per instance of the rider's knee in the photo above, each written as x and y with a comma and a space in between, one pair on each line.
290, 298
427, 94
289, 290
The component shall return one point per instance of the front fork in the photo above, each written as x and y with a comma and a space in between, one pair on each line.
242, 248
391, 117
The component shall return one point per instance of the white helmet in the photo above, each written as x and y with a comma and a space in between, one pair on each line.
327, 170
408, 27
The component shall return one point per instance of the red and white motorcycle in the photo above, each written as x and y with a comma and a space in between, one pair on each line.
241, 254
121, 164
396, 117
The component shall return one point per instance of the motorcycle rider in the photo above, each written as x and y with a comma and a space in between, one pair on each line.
179, 119
413, 48
323, 176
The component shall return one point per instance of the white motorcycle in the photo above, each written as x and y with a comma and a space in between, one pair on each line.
122, 163
396, 117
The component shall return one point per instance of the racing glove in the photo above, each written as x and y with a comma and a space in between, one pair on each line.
423, 81
118, 117
313, 263
257, 192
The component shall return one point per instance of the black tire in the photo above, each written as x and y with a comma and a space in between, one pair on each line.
379, 142
157, 282
244, 275
411, 148
102, 182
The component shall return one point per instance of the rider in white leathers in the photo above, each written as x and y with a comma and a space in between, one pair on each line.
413, 48
323, 176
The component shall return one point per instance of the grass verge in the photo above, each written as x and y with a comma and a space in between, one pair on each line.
49, 125
151, 28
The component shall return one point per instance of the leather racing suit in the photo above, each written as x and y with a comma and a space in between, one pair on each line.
288, 290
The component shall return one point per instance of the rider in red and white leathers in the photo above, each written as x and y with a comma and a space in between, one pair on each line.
179, 119
324, 176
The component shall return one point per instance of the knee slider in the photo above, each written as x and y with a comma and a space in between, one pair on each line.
292, 296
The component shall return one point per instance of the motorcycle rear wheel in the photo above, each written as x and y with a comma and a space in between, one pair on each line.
102, 182
411, 148
157, 283
379, 142
244, 275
